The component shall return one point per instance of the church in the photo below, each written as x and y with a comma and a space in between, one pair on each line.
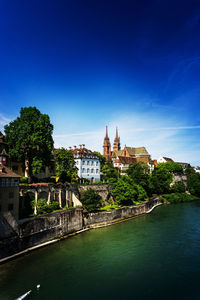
122, 158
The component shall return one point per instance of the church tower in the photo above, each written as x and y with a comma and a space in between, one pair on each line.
116, 145
107, 146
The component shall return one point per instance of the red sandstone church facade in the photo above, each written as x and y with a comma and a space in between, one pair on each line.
125, 157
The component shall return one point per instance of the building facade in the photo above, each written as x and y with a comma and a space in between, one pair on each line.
88, 163
122, 158
9, 191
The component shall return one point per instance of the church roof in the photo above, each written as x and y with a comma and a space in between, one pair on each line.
139, 150
126, 160
117, 153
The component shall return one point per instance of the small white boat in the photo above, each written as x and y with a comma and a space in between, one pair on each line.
24, 296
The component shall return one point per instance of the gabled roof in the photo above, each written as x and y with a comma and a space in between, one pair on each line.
126, 160
134, 151
117, 153
167, 159
5, 172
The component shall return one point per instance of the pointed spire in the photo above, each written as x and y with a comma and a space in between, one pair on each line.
106, 131
116, 133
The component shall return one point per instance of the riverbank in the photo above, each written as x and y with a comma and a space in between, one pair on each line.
40, 231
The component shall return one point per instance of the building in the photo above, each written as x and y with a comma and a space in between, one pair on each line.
9, 191
163, 159
87, 162
122, 158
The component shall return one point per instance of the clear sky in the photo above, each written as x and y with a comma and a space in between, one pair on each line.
88, 64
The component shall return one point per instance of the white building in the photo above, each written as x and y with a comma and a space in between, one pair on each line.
163, 159
87, 162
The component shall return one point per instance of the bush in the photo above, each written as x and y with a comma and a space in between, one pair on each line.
44, 208
23, 180
193, 184
179, 197
126, 192
178, 187
91, 200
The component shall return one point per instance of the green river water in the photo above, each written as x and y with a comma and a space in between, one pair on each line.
156, 256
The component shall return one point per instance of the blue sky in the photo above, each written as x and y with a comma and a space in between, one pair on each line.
88, 64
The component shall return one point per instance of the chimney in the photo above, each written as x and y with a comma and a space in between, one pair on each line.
83, 145
74, 147
70, 148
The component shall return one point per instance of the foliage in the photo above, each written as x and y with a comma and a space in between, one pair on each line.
178, 187
66, 168
178, 197
29, 138
102, 159
193, 183
109, 207
86, 181
23, 180
139, 172
126, 192
91, 200
109, 171
189, 171
159, 181
171, 167
44, 208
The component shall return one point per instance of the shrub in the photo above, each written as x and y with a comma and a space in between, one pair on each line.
178, 187
91, 200
54, 205
179, 197
44, 208
193, 183
23, 180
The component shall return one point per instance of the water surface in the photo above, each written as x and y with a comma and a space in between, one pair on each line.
156, 256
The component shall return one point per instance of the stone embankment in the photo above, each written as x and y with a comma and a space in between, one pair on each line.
39, 231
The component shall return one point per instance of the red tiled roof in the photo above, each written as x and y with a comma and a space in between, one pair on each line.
5, 172
126, 160
167, 158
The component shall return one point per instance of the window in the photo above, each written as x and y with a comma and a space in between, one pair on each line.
97, 171
97, 163
88, 170
83, 162
11, 195
83, 170
92, 170
88, 162
10, 206
92, 163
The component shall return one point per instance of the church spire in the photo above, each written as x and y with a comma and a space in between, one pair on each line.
107, 146
116, 146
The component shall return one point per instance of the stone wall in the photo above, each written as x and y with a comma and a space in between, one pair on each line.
37, 230
108, 217
102, 189
41, 229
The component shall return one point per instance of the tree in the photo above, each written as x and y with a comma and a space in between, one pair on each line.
171, 167
126, 192
178, 187
102, 159
29, 139
109, 171
139, 173
193, 184
159, 181
66, 168
91, 200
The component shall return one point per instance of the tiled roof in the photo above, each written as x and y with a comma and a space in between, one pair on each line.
5, 172
139, 150
167, 159
126, 160
117, 153
84, 152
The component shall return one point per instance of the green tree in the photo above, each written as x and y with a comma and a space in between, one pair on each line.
193, 184
126, 192
189, 171
178, 187
29, 139
91, 200
139, 173
159, 181
109, 171
171, 167
66, 168
102, 159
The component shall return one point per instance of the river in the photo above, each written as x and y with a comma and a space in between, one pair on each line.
156, 256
